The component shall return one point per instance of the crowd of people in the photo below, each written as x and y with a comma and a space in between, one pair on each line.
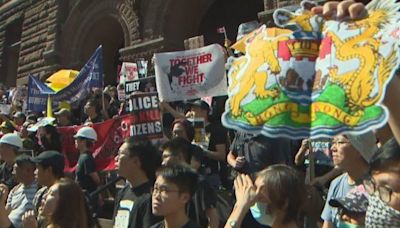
236, 180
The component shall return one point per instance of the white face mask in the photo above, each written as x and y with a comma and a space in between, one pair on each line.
260, 213
379, 214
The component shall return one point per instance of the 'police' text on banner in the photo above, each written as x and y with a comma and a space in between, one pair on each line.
146, 121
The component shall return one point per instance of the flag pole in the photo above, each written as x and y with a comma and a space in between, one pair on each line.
49, 106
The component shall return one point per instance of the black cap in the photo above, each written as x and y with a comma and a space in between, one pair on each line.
200, 103
355, 201
19, 115
50, 158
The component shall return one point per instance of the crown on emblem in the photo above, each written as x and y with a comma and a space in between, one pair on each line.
304, 48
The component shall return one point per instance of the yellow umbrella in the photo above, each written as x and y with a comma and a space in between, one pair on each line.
61, 79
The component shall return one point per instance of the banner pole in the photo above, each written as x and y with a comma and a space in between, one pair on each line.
49, 106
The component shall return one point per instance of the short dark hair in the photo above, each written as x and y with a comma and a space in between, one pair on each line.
147, 154
178, 146
284, 185
188, 127
25, 160
387, 158
182, 176
57, 171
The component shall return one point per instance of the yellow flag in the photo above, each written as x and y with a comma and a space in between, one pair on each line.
49, 107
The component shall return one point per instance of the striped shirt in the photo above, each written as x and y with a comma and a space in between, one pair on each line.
20, 200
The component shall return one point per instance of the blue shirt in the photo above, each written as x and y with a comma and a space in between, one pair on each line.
338, 189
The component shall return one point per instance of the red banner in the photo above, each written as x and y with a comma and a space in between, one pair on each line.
110, 136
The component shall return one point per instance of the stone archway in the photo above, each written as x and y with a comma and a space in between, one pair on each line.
111, 23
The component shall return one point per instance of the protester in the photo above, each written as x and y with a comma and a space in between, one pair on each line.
63, 117
109, 110
215, 151
27, 142
184, 129
202, 206
324, 170
383, 185
250, 153
279, 189
172, 191
92, 111
19, 119
86, 174
352, 207
64, 207
350, 154
49, 169
9, 146
20, 198
7, 127
49, 138
137, 162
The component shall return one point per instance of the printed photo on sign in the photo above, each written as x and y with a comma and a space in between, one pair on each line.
191, 74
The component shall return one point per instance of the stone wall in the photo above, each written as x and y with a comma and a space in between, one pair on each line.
59, 33
38, 38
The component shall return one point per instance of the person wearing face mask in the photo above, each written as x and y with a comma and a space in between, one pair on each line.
352, 208
278, 186
384, 187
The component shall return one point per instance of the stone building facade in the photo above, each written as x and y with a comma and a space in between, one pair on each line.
41, 36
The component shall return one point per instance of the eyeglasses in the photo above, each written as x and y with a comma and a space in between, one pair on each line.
163, 191
384, 193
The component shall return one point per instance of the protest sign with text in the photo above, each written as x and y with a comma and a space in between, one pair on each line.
191, 74
90, 76
142, 84
146, 120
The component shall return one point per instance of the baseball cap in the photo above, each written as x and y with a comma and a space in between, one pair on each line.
200, 103
8, 125
19, 115
50, 158
355, 201
12, 140
365, 144
62, 111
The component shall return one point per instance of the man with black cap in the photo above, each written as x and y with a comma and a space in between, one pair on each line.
352, 207
216, 140
49, 169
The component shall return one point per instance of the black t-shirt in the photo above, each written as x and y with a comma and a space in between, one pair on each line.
204, 198
197, 153
260, 151
133, 207
216, 135
189, 224
86, 166
6, 176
